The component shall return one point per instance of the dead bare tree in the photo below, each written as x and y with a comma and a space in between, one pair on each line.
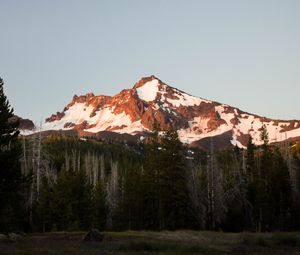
112, 192
215, 193
197, 194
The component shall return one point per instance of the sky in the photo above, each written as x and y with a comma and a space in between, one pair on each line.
245, 53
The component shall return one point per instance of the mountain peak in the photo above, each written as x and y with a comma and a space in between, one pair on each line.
144, 80
148, 91
134, 111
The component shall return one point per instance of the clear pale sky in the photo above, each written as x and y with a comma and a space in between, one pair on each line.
242, 53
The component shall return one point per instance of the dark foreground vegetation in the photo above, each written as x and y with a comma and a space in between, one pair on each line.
175, 242
59, 183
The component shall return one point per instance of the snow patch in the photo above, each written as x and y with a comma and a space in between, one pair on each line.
187, 136
26, 132
76, 114
225, 116
148, 91
119, 123
200, 123
185, 100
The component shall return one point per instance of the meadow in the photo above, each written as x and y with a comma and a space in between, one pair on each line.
148, 242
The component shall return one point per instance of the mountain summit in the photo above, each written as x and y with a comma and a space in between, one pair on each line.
133, 112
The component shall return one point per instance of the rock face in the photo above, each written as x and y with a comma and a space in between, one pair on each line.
26, 124
134, 111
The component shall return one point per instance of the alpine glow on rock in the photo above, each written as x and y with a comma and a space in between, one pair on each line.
131, 114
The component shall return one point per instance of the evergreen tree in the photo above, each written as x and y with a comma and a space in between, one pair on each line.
165, 199
100, 206
72, 201
237, 205
294, 165
11, 205
250, 163
263, 198
131, 199
62, 194
197, 184
216, 200
43, 213
174, 197
280, 190
150, 184
252, 180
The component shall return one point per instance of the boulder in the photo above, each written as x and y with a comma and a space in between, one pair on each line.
4, 238
94, 235
13, 237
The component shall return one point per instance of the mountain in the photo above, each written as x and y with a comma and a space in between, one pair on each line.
26, 126
131, 114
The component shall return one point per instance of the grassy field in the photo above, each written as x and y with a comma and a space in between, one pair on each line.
165, 242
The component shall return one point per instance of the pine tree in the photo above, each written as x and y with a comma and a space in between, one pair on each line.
72, 201
251, 177
173, 183
131, 199
43, 218
197, 185
216, 203
281, 192
100, 206
10, 174
250, 163
294, 169
62, 210
150, 184
263, 198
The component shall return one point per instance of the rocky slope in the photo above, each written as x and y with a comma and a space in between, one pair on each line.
133, 112
26, 126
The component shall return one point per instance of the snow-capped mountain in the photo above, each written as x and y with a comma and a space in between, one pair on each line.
198, 121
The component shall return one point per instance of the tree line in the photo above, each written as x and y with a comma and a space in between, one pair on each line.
57, 183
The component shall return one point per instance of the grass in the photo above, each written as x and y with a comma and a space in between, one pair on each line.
156, 243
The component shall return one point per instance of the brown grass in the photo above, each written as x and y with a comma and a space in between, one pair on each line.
148, 242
